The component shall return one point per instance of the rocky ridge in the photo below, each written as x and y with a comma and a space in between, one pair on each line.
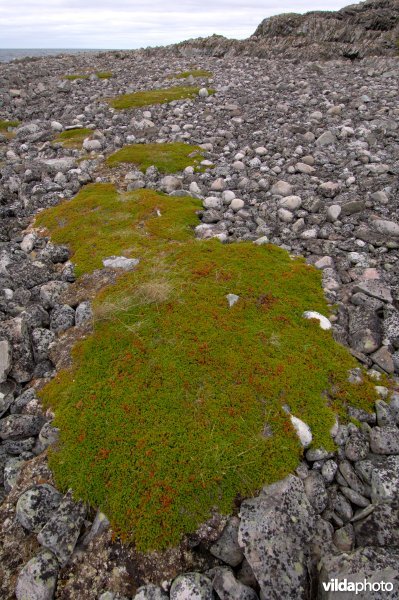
365, 29
306, 156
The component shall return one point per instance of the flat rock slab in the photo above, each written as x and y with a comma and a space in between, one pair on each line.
275, 531
61, 532
121, 262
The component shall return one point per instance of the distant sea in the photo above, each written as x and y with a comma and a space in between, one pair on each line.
10, 54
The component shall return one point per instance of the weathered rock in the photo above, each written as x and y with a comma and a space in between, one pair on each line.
62, 530
36, 506
384, 440
16, 427
228, 588
38, 578
150, 592
275, 531
191, 586
227, 547
380, 528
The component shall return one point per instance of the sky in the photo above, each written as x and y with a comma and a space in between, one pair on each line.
136, 23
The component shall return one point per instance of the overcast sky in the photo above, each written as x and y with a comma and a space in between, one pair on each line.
136, 23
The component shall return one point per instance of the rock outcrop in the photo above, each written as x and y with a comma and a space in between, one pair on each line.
369, 28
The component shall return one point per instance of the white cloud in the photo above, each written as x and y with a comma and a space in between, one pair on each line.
136, 23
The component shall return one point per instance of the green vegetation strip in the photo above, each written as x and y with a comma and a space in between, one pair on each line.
100, 75
73, 138
4, 125
149, 97
173, 405
194, 73
168, 158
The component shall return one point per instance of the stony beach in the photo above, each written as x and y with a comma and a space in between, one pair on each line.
298, 152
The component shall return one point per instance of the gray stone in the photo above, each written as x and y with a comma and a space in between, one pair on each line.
150, 592
275, 531
354, 497
58, 165
62, 530
329, 189
315, 489
380, 528
83, 313
48, 436
375, 289
41, 342
36, 505
364, 330
16, 332
121, 262
100, 524
191, 586
328, 470
385, 415
228, 588
357, 446
385, 480
16, 427
38, 578
51, 292
333, 212
344, 538
384, 440
62, 318
383, 359
281, 188
5, 402
11, 471
169, 183
387, 228
5, 359
227, 547
326, 139
350, 476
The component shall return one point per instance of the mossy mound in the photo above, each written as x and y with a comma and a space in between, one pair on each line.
174, 404
194, 73
167, 158
73, 138
149, 97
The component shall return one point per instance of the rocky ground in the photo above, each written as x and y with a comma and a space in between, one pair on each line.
305, 155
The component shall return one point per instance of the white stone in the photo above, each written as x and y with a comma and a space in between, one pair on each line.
213, 202
323, 321
282, 188
120, 262
237, 204
290, 202
28, 242
261, 241
303, 431
232, 299
333, 212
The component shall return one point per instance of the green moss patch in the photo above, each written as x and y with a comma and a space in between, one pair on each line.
168, 158
174, 405
6, 128
100, 75
5, 125
74, 77
104, 74
149, 97
194, 73
73, 138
